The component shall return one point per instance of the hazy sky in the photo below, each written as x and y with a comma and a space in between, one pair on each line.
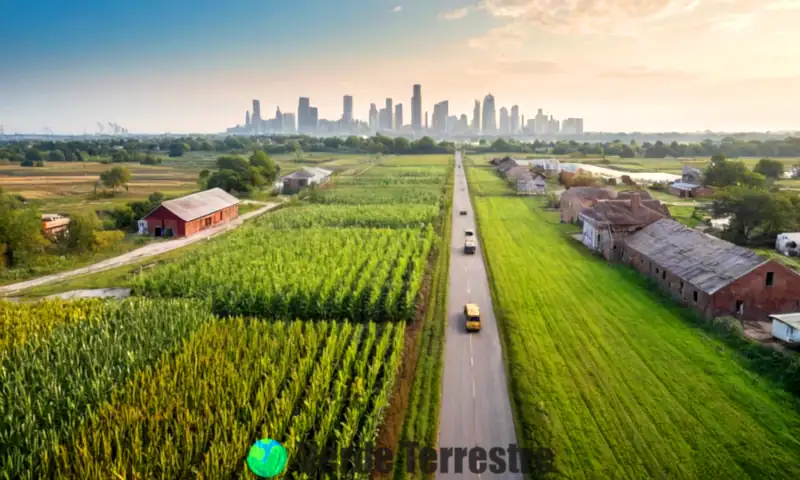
195, 65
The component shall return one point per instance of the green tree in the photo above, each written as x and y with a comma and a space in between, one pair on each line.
772, 169
722, 173
116, 177
178, 149
401, 145
82, 227
757, 215
265, 165
56, 156
33, 155
21, 234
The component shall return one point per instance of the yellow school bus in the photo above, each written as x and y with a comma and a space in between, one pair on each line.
472, 316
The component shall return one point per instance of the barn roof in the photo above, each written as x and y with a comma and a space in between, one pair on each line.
199, 204
684, 186
588, 195
310, 172
706, 262
623, 213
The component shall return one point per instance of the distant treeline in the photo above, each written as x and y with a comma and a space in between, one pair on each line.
149, 151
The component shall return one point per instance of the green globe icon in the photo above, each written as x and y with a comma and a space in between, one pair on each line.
267, 458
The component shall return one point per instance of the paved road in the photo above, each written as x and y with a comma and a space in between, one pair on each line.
475, 405
138, 254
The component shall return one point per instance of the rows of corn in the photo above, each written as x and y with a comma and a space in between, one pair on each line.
217, 351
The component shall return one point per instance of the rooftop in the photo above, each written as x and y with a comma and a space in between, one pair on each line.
684, 186
309, 172
705, 261
791, 319
200, 204
623, 212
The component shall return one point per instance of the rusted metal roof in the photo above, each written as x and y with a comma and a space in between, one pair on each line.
706, 262
199, 204
623, 212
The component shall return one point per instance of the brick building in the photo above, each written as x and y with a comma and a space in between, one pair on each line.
710, 275
188, 215
609, 222
575, 199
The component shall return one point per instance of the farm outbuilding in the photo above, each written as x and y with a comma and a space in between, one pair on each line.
577, 198
710, 275
54, 224
786, 327
690, 185
609, 222
305, 177
188, 215
531, 184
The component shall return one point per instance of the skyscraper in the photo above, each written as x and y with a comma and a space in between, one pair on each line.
541, 123
313, 119
426, 120
373, 117
255, 120
505, 122
514, 119
288, 125
489, 119
247, 117
463, 124
389, 111
347, 115
278, 126
476, 117
416, 108
441, 112
303, 114
398, 116
572, 126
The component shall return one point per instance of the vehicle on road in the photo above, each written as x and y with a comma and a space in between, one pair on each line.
462, 212
470, 245
472, 317
470, 232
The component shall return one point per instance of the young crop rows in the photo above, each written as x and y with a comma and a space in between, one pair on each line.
620, 385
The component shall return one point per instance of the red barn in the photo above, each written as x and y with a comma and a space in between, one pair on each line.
188, 215
710, 275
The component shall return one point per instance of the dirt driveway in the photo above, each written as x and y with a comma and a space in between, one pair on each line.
138, 254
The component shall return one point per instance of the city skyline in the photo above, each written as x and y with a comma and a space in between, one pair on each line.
678, 65
390, 119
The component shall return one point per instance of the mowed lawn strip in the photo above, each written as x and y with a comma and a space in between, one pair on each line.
611, 377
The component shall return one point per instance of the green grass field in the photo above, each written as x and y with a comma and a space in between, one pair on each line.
616, 379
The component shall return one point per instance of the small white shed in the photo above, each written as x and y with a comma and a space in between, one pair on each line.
786, 327
788, 243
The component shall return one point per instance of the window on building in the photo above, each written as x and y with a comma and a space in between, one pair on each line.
657, 271
695, 295
739, 307
770, 278
664, 275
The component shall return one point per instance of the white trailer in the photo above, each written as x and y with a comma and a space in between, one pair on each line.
786, 327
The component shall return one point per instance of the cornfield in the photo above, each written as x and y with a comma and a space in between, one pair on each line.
364, 195
50, 382
19, 322
364, 216
321, 273
235, 381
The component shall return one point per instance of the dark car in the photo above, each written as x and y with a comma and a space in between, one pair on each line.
462, 212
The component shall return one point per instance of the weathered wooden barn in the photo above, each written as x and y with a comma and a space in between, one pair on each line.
531, 184
305, 177
609, 222
710, 275
576, 199
690, 184
188, 215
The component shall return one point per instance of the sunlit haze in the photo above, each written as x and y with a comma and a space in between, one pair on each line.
622, 65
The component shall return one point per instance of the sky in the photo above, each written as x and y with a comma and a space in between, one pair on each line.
180, 66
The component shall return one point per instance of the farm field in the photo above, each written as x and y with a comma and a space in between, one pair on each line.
186, 381
614, 378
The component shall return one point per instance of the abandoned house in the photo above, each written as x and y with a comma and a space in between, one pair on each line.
690, 185
531, 184
577, 198
305, 177
609, 222
710, 275
188, 215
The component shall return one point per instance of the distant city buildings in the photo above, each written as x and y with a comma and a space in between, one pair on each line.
489, 120
514, 128
485, 121
347, 110
398, 116
416, 109
476, 117
505, 122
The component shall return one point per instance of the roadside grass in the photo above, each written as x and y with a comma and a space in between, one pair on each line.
683, 214
611, 376
53, 263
